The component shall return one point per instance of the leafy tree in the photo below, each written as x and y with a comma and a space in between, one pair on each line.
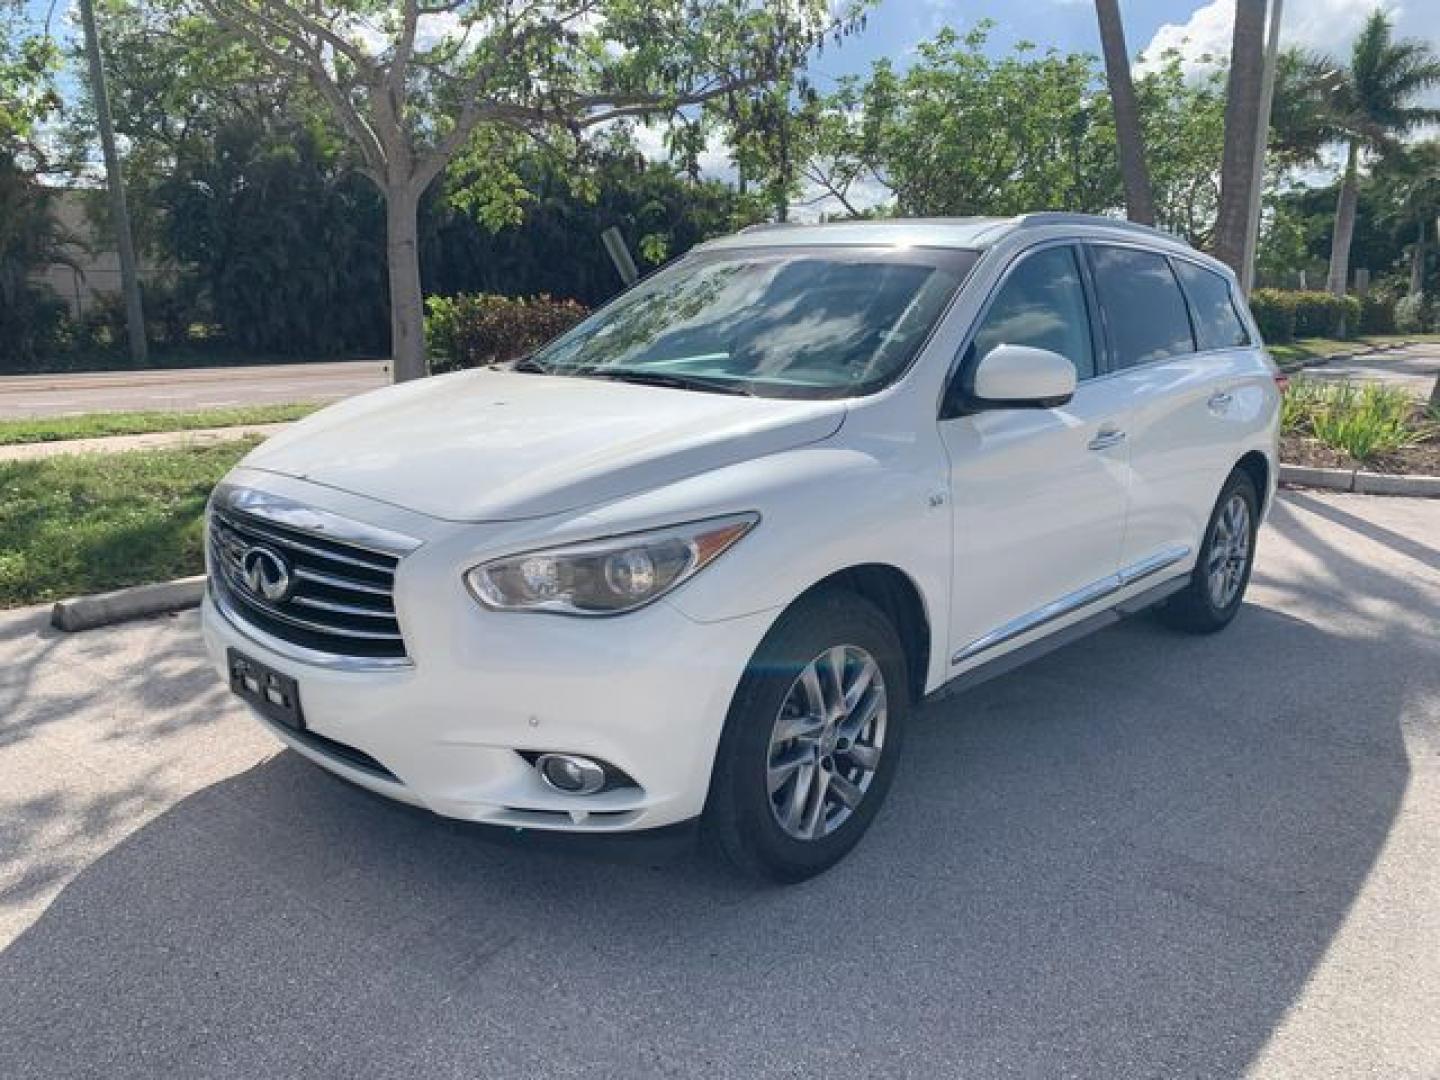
1183, 124
411, 82
1372, 104
1408, 181
961, 132
540, 233
286, 238
30, 238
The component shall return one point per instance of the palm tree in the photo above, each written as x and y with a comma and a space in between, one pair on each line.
1139, 201
1371, 104
1243, 91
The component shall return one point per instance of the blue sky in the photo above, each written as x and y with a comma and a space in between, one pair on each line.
1193, 26
894, 26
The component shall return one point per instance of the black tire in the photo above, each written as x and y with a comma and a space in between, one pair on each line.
1195, 609
739, 818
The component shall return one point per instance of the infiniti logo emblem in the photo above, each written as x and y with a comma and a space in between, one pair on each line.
266, 573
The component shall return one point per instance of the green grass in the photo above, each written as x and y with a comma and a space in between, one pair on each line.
1362, 421
1297, 352
85, 523
95, 425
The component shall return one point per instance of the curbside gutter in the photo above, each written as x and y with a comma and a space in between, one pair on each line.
102, 609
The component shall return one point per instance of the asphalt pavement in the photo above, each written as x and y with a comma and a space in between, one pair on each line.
1413, 369
29, 396
1146, 855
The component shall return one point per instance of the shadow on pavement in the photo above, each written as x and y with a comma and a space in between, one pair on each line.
1123, 860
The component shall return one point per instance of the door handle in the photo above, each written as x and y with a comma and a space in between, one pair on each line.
1107, 437
1220, 400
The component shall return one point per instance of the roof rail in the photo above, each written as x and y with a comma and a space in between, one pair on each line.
1061, 217
771, 226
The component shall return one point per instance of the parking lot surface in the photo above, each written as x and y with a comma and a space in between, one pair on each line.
1146, 855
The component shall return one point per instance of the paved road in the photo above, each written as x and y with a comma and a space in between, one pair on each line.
1413, 369
187, 388
1145, 856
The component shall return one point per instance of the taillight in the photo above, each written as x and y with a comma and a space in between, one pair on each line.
1282, 381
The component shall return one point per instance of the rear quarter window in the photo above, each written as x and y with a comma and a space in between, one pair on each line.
1144, 308
1217, 322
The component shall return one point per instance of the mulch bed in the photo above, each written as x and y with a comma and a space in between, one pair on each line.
1421, 460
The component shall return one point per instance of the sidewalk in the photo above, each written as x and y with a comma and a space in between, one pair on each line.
154, 440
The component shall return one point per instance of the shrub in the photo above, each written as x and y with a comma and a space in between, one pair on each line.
473, 330
1285, 315
1412, 314
1274, 311
1377, 313
1361, 421
1318, 314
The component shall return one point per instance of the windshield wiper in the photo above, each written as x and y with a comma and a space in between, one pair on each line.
529, 364
676, 382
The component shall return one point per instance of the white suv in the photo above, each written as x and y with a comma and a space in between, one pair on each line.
700, 558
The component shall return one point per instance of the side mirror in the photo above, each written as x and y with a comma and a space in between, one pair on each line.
1022, 377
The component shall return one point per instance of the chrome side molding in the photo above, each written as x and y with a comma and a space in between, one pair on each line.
1072, 602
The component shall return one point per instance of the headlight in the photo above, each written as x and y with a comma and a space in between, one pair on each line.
605, 577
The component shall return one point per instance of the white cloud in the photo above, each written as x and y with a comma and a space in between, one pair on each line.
1329, 26
1202, 40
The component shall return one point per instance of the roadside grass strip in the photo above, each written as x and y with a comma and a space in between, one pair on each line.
86, 523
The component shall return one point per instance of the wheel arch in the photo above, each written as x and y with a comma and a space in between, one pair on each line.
1257, 466
895, 593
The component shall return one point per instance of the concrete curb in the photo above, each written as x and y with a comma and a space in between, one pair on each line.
1365, 483
102, 609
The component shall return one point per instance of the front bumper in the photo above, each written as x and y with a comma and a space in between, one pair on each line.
647, 692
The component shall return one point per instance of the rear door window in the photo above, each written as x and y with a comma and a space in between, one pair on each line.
1144, 308
1217, 323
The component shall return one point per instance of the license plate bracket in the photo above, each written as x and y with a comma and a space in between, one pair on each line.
274, 695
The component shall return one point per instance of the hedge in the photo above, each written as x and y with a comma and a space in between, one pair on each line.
473, 330
1284, 315
1377, 313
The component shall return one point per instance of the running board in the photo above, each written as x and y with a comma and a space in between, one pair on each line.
1034, 650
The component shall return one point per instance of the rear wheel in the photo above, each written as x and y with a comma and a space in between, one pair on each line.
811, 741
1217, 585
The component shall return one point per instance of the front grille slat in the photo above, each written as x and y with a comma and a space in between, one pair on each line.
341, 601
375, 563
307, 574
341, 609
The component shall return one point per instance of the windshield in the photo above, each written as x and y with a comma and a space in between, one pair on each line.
775, 322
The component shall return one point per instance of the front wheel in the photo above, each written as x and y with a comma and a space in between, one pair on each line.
1227, 554
811, 740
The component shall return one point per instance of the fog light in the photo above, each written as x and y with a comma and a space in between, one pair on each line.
571, 774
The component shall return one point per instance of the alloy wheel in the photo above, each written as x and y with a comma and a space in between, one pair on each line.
1229, 552
826, 743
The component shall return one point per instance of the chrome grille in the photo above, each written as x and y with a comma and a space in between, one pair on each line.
340, 600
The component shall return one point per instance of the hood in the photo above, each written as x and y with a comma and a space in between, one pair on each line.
501, 446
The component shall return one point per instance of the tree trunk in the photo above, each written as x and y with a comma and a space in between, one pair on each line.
1417, 260
1139, 201
1242, 116
1344, 224
407, 304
